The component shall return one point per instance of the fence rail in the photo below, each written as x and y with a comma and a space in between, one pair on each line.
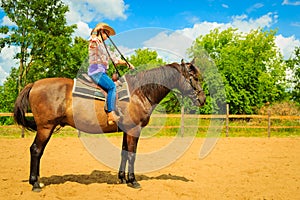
226, 117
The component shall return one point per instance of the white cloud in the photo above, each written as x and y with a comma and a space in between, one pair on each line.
296, 24
170, 46
7, 22
126, 51
7, 61
225, 5
255, 7
178, 42
244, 24
287, 45
83, 30
3, 75
83, 12
202, 29
291, 3
241, 22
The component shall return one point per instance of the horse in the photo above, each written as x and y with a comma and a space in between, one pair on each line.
53, 105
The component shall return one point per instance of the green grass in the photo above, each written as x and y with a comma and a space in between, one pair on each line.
192, 127
16, 132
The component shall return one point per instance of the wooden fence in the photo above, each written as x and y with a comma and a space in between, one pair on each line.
226, 117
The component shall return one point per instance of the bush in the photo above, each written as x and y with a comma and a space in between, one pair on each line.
287, 108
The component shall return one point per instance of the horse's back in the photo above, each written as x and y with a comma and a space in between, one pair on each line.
51, 89
54, 81
52, 86
50, 98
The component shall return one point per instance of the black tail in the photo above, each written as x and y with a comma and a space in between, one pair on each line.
21, 107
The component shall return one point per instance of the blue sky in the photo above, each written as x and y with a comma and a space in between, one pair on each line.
175, 14
172, 25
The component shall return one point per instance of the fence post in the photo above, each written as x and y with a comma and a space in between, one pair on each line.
182, 122
269, 123
227, 120
23, 132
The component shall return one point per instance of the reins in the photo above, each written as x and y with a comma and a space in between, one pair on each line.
117, 49
115, 66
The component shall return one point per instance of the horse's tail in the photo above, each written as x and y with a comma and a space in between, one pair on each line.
21, 107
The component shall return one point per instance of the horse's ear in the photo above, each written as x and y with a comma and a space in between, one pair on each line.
182, 62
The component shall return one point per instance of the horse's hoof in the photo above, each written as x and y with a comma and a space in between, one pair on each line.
37, 187
134, 185
121, 181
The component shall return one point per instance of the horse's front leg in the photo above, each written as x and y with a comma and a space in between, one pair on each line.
124, 157
132, 138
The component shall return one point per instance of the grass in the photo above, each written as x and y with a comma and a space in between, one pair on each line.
16, 132
192, 127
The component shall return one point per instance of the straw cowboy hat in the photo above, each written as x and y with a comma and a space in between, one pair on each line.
109, 30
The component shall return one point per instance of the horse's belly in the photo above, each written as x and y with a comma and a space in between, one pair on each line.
89, 116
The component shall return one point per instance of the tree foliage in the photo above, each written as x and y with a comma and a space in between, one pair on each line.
294, 65
250, 66
8, 95
46, 48
146, 59
40, 32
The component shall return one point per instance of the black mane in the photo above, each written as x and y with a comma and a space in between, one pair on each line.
157, 82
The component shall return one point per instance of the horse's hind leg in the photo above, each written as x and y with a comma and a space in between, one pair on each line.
36, 151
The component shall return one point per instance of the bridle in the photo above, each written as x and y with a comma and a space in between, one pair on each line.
196, 91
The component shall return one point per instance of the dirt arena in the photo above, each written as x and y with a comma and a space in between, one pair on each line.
237, 168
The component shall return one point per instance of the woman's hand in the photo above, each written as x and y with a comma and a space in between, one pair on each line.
130, 66
123, 62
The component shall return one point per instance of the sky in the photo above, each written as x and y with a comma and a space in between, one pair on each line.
170, 26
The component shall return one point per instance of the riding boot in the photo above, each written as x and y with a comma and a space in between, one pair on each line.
112, 118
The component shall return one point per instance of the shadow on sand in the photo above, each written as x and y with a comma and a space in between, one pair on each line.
102, 177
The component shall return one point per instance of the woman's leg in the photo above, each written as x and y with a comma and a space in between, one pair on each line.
105, 82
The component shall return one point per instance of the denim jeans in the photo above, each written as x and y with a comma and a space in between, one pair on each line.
105, 82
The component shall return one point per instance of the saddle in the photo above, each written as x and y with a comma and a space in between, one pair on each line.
84, 86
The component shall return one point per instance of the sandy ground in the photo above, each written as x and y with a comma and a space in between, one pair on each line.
237, 168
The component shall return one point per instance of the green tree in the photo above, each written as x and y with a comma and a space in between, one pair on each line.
146, 59
68, 65
41, 33
8, 95
294, 65
250, 66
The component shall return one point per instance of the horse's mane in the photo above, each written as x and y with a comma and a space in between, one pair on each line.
152, 79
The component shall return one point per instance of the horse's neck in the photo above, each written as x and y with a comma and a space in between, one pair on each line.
154, 84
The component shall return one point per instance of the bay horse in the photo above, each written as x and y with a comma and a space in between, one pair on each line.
53, 105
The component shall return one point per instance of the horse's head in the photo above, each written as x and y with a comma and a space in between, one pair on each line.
191, 86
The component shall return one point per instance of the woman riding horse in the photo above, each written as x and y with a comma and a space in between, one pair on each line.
53, 104
99, 56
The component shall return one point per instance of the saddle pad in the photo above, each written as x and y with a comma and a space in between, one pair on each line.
85, 90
